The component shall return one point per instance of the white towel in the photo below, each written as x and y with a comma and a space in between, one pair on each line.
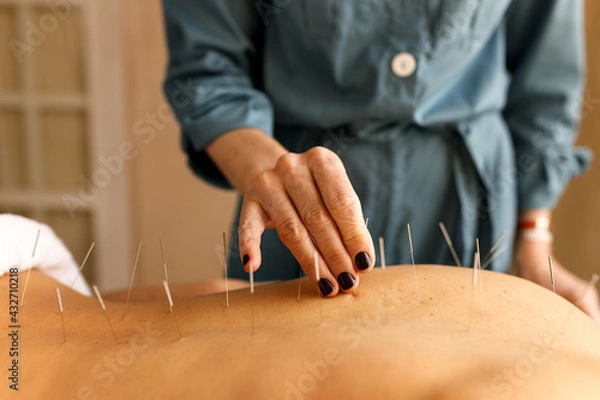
17, 238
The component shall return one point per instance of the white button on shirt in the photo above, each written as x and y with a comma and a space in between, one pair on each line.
404, 65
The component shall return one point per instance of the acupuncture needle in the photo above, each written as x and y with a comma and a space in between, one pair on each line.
412, 259
493, 248
450, 244
478, 265
382, 252
83, 263
251, 270
137, 258
299, 282
475, 269
225, 268
164, 257
587, 289
103, 306
497, 254
553, 281
318, 278
170, 299
37, 237
60, 309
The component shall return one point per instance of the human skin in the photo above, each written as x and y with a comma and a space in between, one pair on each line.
280, 192
304, 196
458, 343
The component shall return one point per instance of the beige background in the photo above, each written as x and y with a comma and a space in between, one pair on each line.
577, 218
167, 197
191, 215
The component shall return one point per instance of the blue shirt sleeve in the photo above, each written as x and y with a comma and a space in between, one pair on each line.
213, 75
546, 58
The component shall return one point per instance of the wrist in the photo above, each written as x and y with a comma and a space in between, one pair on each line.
534, 226
243, 154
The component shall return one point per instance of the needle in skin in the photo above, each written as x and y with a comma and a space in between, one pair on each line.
478, 264
475, 267
553, 281
412, 259
170, 299
493, 248
495, 255
587, 289
450, 244
299, 281
318, 278
252, 295
37, 237
164, 257
60, 309
103, 306
382, 253
83, 263
137, 258
225, 268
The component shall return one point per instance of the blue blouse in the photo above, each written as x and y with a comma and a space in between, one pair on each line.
507, 76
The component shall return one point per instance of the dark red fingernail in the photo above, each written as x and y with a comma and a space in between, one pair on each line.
325, 287
362, 260
246, 259
346, 280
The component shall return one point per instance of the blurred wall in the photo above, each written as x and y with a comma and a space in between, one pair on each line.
167, 198
191, 215
577, 218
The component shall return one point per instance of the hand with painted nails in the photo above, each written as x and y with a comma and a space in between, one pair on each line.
306, 197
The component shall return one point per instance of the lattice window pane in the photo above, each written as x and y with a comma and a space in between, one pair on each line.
13, 161
58, 59
9, 68
64, 149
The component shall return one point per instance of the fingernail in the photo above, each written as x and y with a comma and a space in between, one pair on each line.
362, 260
346, 280
325, 287
246, 259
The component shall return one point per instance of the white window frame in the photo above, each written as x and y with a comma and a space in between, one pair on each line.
104, 106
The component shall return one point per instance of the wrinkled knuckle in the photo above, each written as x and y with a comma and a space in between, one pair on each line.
322, 156
246, 229
315, 215
286, 164
344, 201
355, 237
245, 226
264, 183
290, 231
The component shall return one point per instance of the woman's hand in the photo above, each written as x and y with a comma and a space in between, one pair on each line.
531, 260
307, 197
